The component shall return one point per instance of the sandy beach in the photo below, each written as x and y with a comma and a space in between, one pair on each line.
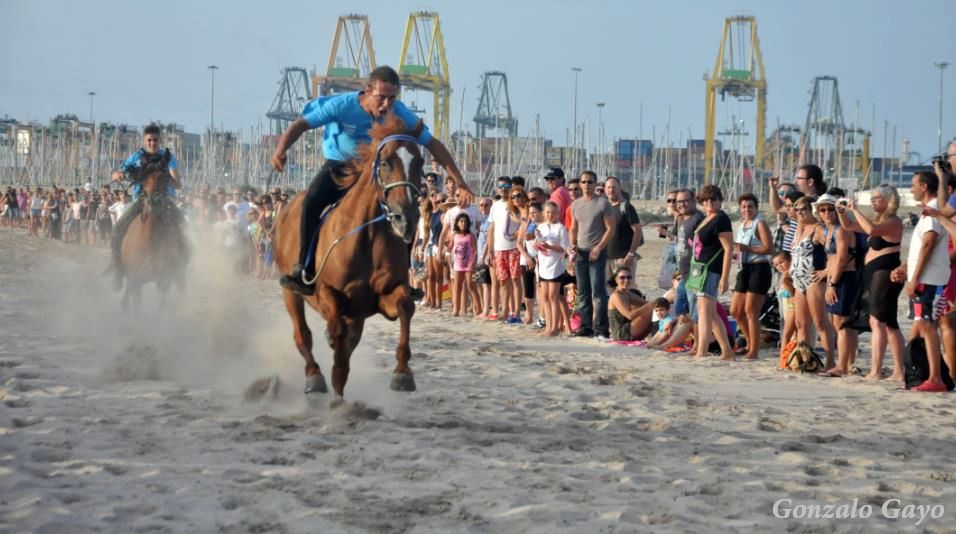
114, 423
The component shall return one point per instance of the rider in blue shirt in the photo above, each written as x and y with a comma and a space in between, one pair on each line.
133, 164
347, 119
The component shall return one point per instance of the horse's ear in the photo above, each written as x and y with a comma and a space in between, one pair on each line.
417, 131
167, 156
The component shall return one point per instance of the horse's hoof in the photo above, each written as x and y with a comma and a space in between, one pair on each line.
402, 382
315, 384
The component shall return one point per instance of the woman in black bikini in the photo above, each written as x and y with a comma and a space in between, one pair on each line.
879, 290
842, 282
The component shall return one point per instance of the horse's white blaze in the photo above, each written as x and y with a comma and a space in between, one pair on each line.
407, 158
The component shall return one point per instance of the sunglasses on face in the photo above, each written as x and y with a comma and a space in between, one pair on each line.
517, 197
586, 182
800, 210
825, 210
504, 186
625, 277
671, 200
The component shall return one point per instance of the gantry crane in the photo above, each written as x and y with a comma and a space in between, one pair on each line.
739, 73
352, 58
422, 66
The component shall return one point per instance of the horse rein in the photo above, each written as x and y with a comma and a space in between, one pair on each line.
386, 212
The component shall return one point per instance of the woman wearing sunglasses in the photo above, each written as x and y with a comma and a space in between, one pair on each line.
809, 273
629, 313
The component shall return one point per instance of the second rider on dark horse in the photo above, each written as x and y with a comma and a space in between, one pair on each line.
149, 155
347, 119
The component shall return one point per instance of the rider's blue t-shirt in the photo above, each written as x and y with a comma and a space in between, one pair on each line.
347, 124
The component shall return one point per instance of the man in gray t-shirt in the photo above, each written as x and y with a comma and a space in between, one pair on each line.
685, 301
592, 226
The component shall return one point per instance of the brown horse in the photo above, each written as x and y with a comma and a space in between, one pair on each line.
361, 255
153, 249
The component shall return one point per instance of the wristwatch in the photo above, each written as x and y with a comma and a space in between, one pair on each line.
831, 284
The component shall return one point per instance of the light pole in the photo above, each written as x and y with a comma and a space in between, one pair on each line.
212, 98
939, 129
600, 106
574, 144
91, 94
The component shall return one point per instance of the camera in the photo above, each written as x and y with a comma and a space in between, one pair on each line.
843, 202
943, 162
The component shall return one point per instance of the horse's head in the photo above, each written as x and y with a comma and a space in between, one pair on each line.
154, 176
397, 173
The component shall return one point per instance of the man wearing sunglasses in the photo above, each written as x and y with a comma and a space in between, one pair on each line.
559, 192
347, 118
592, 226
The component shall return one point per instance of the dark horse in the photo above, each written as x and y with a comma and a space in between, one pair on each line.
361, 255
153, 249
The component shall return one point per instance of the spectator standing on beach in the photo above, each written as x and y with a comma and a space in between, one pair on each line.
628, 234
574, 189
552, 245
808, 270
592, 227
927, 265
809, 180
117, 209
685, 302
483, 287
842, 281
879, 291
464, 253
713, 247
503, 254
753, 247
560, 194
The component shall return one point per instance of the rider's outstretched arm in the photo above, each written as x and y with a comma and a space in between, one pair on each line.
289, 137
443, 157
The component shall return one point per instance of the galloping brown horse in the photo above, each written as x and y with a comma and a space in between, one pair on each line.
153, 249
361, 255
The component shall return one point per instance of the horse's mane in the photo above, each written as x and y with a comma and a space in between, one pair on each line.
392, 125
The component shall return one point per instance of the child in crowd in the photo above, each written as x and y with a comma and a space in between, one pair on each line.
551, 244
781, 262
464, 250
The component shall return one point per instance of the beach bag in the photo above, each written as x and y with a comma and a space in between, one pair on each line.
785, 353
665, 279
804, 359
697, 276
916, 365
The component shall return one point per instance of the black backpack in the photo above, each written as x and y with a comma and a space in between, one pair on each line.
916, 365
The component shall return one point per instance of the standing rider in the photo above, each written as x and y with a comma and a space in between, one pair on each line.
347, 118
133, 164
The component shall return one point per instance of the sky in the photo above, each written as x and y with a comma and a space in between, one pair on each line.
148, 61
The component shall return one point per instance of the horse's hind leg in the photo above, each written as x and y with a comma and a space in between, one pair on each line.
345, 334
399, 303
314, 381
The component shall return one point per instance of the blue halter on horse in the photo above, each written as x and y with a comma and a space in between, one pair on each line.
386, 215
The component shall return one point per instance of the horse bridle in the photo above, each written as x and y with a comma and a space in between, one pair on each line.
386, 212
377, 178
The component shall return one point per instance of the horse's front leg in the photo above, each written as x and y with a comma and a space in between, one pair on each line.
345, 334
399, 303
314, 381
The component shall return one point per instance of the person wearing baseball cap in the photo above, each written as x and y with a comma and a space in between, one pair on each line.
559, 192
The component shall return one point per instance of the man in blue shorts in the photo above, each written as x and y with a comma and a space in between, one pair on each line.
133, 164
347, 119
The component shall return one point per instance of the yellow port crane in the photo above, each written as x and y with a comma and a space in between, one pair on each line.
352, 58
423, 66
739, 73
